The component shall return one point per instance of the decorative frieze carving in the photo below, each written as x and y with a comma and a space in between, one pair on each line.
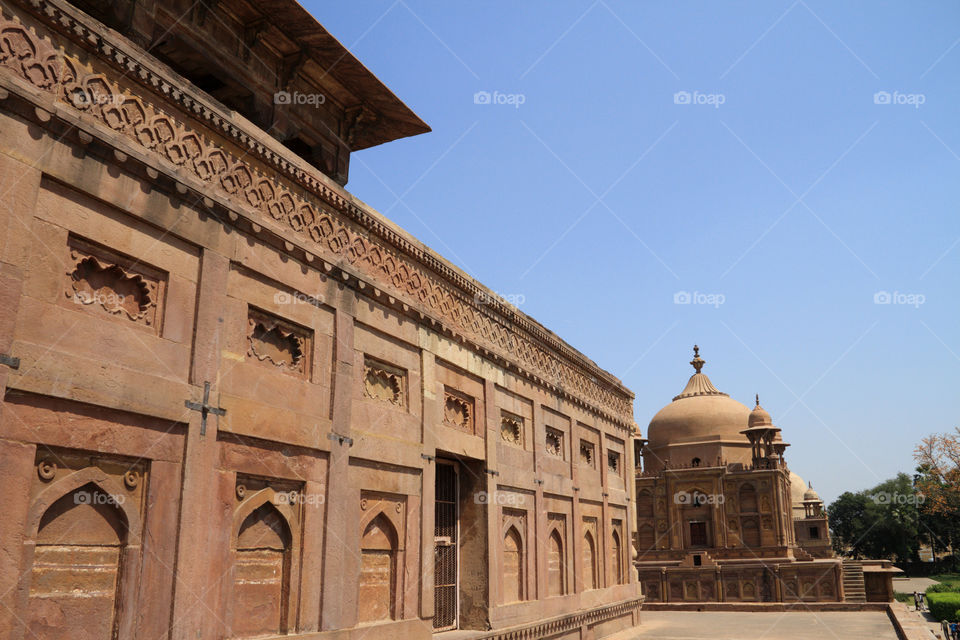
384, 382
278, 343
458, 410
324, 219
511, 428
100, 279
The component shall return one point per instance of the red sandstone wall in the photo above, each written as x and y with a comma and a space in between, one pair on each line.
308, 506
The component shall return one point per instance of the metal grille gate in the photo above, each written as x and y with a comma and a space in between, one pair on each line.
445, 549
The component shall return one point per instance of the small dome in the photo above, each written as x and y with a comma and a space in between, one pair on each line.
759, 416
810, 495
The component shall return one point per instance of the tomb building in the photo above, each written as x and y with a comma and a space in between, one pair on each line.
722, 518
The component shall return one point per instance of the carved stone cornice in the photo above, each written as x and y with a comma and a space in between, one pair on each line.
188, 136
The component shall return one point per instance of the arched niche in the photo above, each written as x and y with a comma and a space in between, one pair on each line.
513, 561
750, 532
616, 557
378, 582
748, 498
77, 550
264, 547
556, 564
590, 580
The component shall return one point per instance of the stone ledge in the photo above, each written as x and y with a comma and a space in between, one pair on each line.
766, 606
908, 624
561, 624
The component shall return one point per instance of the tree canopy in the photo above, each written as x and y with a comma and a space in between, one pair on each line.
882, 522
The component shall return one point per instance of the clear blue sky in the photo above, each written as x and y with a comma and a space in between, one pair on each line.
797, 199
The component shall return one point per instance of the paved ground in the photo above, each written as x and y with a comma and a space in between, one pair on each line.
909, 585
791, 625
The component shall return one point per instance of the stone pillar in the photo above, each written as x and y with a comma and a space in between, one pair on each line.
19, 186
342, 537
630, 485
157, 578
16, 474
538, 545
605, 530
576, 527
494, 557
312, 575
432, 408
196, 613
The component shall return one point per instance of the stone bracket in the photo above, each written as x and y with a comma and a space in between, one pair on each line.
10, 361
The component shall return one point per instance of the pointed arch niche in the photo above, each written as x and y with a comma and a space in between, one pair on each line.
265, 551
82, 547
556, 555
513, 550
590, 573
380, 584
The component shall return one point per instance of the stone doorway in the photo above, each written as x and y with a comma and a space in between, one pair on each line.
698, 534
446, 547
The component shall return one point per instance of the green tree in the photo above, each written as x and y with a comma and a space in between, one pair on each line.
881, 522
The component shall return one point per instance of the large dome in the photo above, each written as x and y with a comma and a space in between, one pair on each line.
691, 417
701, 411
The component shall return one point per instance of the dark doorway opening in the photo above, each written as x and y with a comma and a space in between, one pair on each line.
698, 534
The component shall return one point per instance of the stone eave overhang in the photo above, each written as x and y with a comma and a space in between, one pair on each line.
396, 120
545, 359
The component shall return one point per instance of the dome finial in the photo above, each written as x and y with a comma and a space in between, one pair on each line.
758, 399
697, 361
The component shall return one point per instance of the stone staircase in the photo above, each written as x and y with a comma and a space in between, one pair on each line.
853, 589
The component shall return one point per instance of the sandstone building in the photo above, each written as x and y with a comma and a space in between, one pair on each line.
720, 516
236, 401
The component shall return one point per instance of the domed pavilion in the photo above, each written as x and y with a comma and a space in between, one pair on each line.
720, 516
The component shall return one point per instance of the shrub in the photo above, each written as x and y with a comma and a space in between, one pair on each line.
943, 587
943, 605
